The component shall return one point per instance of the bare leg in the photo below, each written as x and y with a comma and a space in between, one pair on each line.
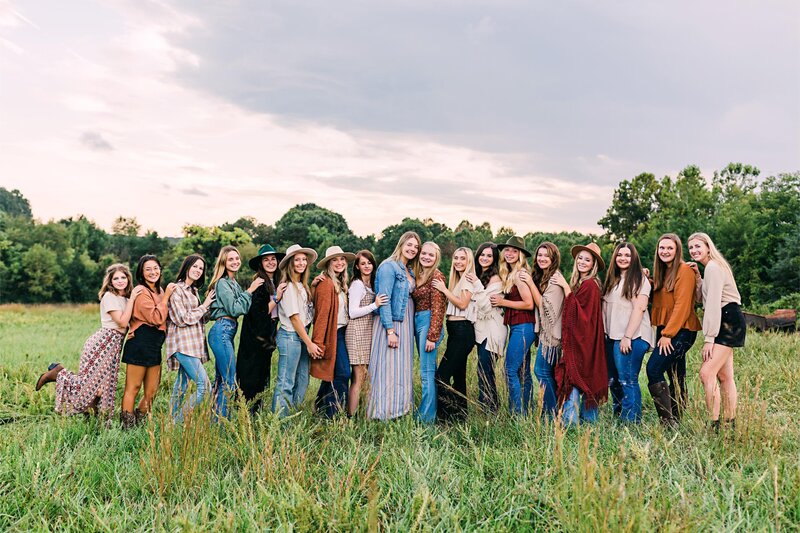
358, 377
134, 375
152, 379
708, 375
727, 383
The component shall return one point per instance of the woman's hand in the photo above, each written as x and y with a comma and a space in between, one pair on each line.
317, 280
497, 300
137, 290
429, 346
708, 351
665, 346
279, 290
559, 279
694, 267
259, 281
625, 345
210, 297
439, 285
314, 351
392, 340
381, 299
523, 276
472, 278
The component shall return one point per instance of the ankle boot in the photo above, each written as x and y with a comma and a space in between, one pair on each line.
663, 402
49, 376
127, 419
730, 423
139, 416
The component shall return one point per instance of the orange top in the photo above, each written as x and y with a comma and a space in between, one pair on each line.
675, 309
149, 308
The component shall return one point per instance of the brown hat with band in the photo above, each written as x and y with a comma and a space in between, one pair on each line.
515, 242
593, 249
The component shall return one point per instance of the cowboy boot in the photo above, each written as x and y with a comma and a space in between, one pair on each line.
139, 416
49, 376
127, 419
663, 402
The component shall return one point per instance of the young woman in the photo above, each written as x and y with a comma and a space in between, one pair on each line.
358, 338
676, 328
94, 386
724, 327
581, 374
259, 327
451, 376
330, 326
490, 331
520, 319
430, 306
546, 286
629, 336
392, 352
295, 312
186, 335
142, 352
231, 302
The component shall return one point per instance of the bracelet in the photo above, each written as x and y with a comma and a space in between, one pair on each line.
626, 337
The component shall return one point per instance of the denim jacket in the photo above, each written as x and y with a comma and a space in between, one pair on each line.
391, 280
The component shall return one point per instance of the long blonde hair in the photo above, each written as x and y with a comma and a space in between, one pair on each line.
219, 266
575, 280
664, 276
107, 285
713, 253
289, 275
509, 276
425, 274
339, 280
397, 254
456, 276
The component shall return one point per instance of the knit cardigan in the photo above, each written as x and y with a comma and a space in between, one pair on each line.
323, 334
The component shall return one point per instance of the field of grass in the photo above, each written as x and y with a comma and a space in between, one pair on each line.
302, 473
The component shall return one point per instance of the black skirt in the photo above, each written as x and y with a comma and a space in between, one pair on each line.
144, 349
732, 327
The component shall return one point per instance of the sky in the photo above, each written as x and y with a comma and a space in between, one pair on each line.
521, 113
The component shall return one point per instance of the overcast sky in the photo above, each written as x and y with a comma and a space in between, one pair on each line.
519, 113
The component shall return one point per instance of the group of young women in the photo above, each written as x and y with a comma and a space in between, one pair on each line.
592, 335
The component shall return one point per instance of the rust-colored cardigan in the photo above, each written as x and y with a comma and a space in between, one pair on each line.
323, 334
675, 309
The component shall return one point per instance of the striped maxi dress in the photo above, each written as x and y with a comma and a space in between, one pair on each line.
391, 393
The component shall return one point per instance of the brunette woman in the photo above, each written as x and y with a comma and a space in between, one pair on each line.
142, 352
358, 338
330, 325
430, 306
581, 374
186, 335
94, 386
451, 376
629, 335
547, 290
231, 302
724, 327
295, 312
259, 327
490, 331
520, 319
392, 353
676, 328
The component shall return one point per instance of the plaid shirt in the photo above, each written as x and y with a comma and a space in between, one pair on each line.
185, 326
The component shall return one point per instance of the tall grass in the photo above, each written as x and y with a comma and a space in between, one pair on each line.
303, 473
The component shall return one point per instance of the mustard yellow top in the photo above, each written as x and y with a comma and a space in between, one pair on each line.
675, 309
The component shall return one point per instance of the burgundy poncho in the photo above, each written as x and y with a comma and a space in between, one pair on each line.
583, 364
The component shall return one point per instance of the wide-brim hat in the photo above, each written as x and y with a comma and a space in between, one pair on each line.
264, 251
515, 242
330, 253
593, 249
297, 249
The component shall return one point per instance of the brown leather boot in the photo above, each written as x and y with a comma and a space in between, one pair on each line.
127, 419
49, 376
663, 402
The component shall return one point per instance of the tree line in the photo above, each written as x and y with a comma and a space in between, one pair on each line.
755, 223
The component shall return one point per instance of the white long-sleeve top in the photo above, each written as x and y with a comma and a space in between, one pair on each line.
355, 294
719, 289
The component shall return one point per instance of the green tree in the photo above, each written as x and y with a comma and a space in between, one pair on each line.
41, 270
12, 203
634, 203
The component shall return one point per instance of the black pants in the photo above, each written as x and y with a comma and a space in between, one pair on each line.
451, 376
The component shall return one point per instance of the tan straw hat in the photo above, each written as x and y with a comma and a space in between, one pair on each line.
330, 253
593, 249
297, 249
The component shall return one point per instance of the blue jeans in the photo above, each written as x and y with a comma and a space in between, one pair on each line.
545, 375
332, 396
426, 412
659, 363
518, 367
623, 378
487, 386
191, 369
220, 338
292, 380
574, 410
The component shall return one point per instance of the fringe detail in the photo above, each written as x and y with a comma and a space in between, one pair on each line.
551, 354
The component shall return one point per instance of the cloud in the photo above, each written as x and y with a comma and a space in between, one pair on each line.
194, 191
95, 141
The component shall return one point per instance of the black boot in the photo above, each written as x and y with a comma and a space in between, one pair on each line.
714, 425
139, 416
127, 419
663, 402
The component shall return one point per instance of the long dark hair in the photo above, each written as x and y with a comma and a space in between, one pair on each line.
271, 281
485, 274
140, 272
542, 277
357, 272
633, 276
188, 263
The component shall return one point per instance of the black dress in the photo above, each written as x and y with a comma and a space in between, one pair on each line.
256, 344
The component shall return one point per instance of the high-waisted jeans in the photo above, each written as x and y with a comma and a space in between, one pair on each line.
220, 339
545, 375
332, 395
191, 369
292, 380
426, 412
451, 376
659, 363
518, 367
623, 378
487, 386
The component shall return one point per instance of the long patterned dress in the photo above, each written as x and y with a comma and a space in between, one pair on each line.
391, 392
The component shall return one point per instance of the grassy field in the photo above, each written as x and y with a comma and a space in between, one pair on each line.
301, 473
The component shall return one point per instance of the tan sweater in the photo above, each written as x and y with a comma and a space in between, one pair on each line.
719, 289
548, 319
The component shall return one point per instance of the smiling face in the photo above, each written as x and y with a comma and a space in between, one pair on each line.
365, 266
196, 270
338, 264
543, 260
667, 251
699, 251
584, 262
623, 258
427, 256
299, 263
486, 258
151, 272
511, 255
269, 263
460, 261
232, 262
120, 281
410, 249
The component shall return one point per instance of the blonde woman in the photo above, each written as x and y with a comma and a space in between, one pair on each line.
295, 312
231, 302
392, 352
724, 327
520, 319
451, 376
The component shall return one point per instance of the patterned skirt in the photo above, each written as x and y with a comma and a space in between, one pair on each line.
97, 375
391, 392
358, 339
